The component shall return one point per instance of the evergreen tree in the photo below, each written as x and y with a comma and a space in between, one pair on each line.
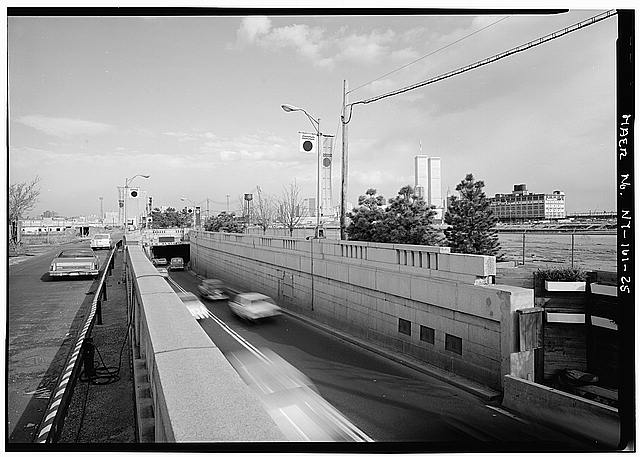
223, 222
408, 219
170, 218
471, 220
366, 217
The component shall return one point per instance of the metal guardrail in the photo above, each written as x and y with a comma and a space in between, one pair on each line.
51, 425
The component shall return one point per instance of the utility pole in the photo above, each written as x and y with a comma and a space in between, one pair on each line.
345, 160
101, 212
227, 203
319, 148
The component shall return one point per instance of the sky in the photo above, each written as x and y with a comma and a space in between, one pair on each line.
195, 102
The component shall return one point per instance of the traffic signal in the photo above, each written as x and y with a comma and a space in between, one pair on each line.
150, 202
134, 192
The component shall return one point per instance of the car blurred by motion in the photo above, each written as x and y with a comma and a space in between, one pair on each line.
253, 306
194, 305
75, 262
163, 272
212, 289
292, 400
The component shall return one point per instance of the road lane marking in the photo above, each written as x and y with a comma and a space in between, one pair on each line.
336, 416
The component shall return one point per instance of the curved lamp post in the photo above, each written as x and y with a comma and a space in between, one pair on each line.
316, 125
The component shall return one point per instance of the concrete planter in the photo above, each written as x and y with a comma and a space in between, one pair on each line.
603, 289
562, 286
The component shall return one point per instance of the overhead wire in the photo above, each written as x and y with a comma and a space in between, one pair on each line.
486, 61
429, 54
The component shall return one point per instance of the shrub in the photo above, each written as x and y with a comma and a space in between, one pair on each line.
561, 274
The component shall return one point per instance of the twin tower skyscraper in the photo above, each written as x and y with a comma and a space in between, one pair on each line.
428, 182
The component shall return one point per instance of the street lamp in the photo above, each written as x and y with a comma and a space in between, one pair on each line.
128, 181
316, 125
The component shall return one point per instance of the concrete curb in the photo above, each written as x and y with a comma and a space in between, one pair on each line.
479, 390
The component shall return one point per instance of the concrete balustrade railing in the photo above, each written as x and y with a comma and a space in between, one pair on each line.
433, 261
422, 301
197, 395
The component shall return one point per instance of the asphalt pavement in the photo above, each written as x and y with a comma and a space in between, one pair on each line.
389, 397
44, 320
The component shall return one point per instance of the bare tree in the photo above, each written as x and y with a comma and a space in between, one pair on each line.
23, 196
264, 210
290, 209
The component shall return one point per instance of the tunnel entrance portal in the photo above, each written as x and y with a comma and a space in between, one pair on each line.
175, 250
167, 243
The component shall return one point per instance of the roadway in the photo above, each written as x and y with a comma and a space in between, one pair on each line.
386, 400
43, 319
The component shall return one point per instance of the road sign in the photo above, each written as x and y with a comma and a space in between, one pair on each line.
308, 143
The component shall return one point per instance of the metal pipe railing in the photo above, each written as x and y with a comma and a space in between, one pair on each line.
51, 426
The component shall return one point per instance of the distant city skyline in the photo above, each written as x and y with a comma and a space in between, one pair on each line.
194, 102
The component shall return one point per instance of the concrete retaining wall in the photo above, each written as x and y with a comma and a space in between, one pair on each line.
186, 371
571, 413
456, 321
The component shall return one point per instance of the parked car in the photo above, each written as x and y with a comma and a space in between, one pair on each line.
101, 241
253, 306
75, 262
163, 272
176, 263
159, 261
194, 305
212, 289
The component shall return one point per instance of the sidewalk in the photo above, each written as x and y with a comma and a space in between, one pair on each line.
103, 410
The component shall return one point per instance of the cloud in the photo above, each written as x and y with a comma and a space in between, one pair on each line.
366, 48
252, 27
404, 55
307, 41
413, 35
64, 127
261, 147
313, 43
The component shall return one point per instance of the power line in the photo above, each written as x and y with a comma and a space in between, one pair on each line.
429, 54
494, 58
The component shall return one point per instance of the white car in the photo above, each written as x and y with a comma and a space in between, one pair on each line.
193, 305
292, 400
253, 306
101, 241
75, 262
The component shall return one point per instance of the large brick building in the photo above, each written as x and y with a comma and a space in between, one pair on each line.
522, 205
